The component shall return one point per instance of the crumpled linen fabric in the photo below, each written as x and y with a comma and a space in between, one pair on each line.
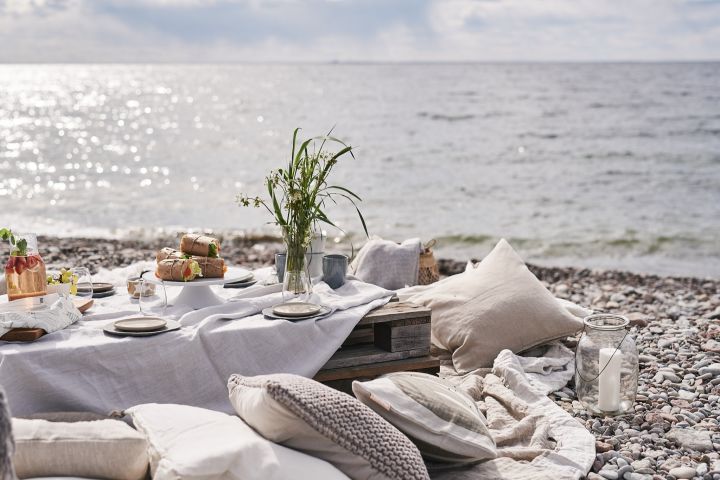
536, 439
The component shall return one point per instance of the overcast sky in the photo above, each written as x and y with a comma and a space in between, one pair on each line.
357, 30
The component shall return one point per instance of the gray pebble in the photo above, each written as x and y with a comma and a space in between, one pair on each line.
609, 474
682, 472
623, 470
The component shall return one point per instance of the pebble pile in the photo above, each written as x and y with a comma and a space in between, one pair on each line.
674, 432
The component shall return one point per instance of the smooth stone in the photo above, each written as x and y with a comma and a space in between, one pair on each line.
685, 395
682, 472
640, 464
637, 476
702, 469
670, 376
712, 368
621, 462
698, 440
594, 476
609, 474
623, 470
602, 447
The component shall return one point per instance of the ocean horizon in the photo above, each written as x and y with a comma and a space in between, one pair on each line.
600, 165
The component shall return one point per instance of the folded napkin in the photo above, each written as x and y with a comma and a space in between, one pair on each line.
388, 264
61, 313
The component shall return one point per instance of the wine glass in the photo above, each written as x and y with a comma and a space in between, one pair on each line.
83, 282
152, 298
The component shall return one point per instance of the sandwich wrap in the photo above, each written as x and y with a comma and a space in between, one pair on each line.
209, 267
177, 269
167, 252
200, 245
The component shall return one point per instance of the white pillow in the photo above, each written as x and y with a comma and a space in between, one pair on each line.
443, 422
196, 443
498, 305
97, 449
304, 414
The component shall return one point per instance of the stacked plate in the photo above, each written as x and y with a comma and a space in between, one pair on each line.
296, 311
243, 283
99, 290
141, 326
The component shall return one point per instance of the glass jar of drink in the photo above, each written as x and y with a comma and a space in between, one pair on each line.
25, 274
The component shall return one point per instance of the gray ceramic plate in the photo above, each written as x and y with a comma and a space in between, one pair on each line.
324, 311
169, 327
140, 324
107, 293
296, 309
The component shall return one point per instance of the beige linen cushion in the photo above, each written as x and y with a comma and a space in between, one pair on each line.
98, 449
194, 443
309, 416
498, 305
441, 420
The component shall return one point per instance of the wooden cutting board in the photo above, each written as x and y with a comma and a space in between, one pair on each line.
32, 334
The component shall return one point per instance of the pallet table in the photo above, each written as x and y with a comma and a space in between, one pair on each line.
392, 338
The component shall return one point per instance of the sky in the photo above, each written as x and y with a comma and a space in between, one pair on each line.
358, 30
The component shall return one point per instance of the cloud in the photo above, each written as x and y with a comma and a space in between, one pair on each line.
357, 30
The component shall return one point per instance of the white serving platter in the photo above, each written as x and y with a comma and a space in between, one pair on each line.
197, 293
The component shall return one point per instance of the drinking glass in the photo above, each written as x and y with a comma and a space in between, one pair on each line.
83, 282
152, 298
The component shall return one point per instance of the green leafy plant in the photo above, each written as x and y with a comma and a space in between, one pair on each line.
18, 246
299, 194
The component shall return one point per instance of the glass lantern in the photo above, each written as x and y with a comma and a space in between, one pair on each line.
606, 361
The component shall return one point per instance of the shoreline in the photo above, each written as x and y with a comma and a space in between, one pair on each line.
258, 250
675, 322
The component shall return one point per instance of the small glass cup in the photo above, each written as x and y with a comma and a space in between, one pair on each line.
152, 298
83, 282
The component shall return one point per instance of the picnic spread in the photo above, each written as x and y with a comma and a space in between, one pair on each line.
187, 366
80, 367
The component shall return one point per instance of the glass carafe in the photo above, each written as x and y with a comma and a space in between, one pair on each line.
25, 275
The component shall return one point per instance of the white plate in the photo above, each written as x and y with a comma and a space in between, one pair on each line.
140, 324
324, 312
171, 326
233, 275
296, 309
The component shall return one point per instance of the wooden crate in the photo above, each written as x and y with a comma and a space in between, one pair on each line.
392, 338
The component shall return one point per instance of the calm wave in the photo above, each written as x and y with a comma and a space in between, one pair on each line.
597, 165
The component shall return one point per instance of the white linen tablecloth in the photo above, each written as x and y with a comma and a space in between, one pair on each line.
83, 368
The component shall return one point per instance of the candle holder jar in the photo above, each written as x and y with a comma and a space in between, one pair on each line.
606, 365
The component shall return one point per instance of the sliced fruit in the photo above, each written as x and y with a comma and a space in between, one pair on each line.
20, 265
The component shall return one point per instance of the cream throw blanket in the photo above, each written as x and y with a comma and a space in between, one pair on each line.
536, 439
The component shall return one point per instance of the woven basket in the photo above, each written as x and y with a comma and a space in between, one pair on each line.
428, 267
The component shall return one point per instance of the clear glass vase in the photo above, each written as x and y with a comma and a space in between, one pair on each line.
606, 361
296, 280
26, 275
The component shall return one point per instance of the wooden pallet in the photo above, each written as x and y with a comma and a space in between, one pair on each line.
392, 338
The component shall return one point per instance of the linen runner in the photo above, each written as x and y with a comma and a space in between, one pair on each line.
82, 368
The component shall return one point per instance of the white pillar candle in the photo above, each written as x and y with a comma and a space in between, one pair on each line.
609, 382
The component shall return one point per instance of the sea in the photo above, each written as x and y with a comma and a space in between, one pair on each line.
607, 166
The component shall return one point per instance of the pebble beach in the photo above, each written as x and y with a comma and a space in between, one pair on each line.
674, 432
